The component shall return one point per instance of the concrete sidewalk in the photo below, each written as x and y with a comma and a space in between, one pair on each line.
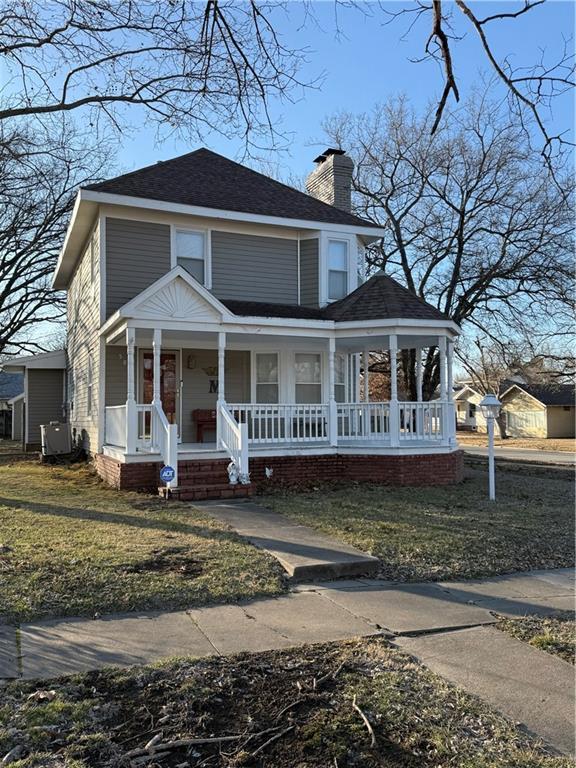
431, 621
301, 551
553, 458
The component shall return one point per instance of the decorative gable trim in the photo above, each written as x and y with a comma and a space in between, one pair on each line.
175, 296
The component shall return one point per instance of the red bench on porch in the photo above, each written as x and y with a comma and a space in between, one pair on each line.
205, 419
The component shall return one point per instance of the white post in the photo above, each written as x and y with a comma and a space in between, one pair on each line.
157, 349
419, 408
394, 407
443, 388
366, 376
491, 473
131, 413
221, 384
332, 408
450, 414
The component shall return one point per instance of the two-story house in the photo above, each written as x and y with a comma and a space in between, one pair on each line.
218, 319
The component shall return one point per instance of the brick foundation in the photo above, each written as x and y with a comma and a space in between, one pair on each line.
301, 471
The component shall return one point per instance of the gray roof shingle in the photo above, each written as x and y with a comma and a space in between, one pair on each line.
547, 394
209, 180
379, 298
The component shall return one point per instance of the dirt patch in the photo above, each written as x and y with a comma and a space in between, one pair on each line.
360, 704
168, 560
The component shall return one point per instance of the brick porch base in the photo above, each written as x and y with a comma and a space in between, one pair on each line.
301, 471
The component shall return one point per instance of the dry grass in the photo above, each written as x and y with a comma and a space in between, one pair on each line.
71, 546
452, 532
286, 709
553, 634
535, 443
8, 447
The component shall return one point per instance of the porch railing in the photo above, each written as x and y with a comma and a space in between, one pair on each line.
164, 437
421, 421
277, 423
144, 430
363, 421
233, 438
115, 425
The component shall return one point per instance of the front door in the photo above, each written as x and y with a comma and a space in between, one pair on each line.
169, 383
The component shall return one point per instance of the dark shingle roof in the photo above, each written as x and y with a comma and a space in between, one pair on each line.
382, 298
209, 180
379, 298
11, 384
265, 309
548, 394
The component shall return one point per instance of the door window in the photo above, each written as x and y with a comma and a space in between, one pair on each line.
168, 382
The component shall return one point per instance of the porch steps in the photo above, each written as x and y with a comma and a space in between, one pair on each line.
204, 480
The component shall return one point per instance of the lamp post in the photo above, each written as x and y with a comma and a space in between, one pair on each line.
490, 406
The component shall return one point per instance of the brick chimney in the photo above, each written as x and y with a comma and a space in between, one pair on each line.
331, 180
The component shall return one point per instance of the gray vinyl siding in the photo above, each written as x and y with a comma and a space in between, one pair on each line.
45, 396
196, 384
116, 375
17, 416
309, 288
83, 302
137, 254
253, 268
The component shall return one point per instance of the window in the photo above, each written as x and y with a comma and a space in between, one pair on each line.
89, 387
308, 381
191, 253
337, 269
471, 411
340, 378
267, 377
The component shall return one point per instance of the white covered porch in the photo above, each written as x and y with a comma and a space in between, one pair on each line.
299, 390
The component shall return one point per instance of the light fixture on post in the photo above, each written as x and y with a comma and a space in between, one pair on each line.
490, 406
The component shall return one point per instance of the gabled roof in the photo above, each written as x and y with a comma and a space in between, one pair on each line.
547, 394
11, 385
206, 179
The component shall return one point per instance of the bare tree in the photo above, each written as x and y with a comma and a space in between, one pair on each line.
531, 89
40, 168
191, 66
473, 223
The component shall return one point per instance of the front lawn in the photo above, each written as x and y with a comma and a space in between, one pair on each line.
568, 444
360, 704
71, 546
553, 634
452, 532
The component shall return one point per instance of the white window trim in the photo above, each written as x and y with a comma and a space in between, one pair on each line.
253, 369
352, 283
207, 233
320, 383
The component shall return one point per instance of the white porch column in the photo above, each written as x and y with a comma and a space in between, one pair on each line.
131, 413
394, 408
450, 412
157, 349
419, 373
443, 389
366, 363
332, 407
221, 399
419, 409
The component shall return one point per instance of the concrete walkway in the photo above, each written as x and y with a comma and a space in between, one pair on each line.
304, 553
447, 626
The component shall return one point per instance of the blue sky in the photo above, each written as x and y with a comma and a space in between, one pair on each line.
369, 62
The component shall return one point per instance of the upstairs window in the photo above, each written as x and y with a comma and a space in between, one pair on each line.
191, 253
337, 269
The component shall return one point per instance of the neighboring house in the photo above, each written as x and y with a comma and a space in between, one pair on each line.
43, 397
11, 385
530, 411
539, 411
217, 317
